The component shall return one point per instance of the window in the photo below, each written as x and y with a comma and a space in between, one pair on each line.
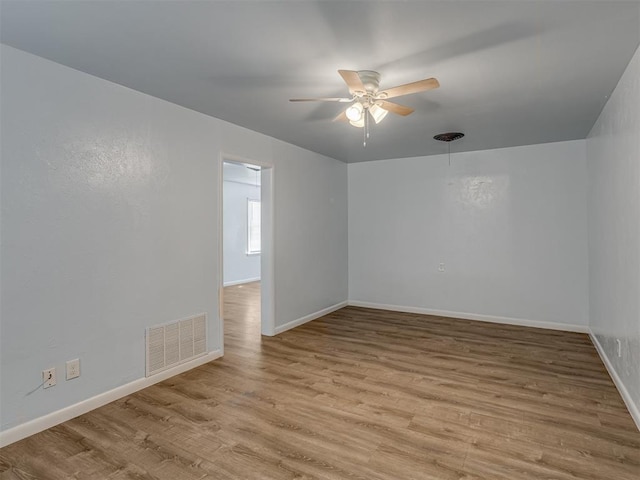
253, 227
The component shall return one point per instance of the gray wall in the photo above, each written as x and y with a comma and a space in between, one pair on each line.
110, 224
613, 153
509, 225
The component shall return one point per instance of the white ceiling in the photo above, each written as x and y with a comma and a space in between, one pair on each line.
511, 72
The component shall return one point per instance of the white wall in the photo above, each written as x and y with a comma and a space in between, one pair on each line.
311, 235
238, 266
509, 225
109, 223
613, 158
310, 223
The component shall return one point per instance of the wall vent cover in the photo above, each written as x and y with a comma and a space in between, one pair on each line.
175, 342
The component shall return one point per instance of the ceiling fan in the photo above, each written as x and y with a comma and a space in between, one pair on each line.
368, 100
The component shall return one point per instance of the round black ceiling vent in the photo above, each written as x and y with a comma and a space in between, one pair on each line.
449, 136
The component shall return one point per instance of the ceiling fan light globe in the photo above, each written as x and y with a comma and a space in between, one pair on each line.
377, 113
354, 112
358, 123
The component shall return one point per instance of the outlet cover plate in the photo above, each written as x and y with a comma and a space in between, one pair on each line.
73, 369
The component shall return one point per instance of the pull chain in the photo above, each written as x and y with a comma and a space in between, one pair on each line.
366, 128
368, 120
449, 137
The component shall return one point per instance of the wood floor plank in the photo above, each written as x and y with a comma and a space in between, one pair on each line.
358, 394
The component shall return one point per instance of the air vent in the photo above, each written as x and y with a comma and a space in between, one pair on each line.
449, 136
176, 342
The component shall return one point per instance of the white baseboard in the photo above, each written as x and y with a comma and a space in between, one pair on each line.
240, 282
569, 327
308, 318
634, 409
59, 416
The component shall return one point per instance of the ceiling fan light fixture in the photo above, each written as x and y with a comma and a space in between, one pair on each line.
367, 99
354, 112
358, 123
377, 112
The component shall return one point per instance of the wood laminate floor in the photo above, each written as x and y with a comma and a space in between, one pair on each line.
358, 394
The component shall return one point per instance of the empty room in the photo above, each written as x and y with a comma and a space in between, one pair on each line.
320, 239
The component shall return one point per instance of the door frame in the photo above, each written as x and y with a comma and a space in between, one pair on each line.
267, 297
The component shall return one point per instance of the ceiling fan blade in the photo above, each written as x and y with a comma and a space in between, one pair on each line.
409, 88
394, 108
341, 117
353, 81
322, 99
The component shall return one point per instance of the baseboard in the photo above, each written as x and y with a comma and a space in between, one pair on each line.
308, 318
634, 409
568, 327
240, 282
55, 418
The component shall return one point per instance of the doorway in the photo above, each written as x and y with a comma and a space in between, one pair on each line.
241, 223
246, 249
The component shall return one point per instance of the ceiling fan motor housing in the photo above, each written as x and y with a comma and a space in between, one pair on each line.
370, 80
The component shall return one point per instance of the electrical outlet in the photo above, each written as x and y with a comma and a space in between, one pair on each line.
49, 377
441, 267
73, 368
